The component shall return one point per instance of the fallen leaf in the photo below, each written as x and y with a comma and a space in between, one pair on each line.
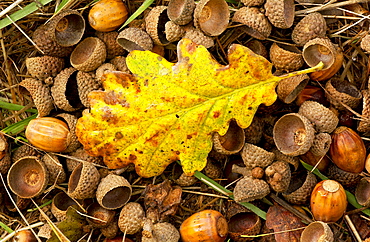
280, 219
169, 111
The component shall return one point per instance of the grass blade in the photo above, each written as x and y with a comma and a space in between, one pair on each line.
15, 107
19, 126
141, 9
30, 8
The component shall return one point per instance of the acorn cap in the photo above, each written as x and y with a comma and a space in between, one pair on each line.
199, 37
251, 3
24, 150
248, 189
28, 177
257, 25
343, 177
83, 181
103, 69
288, 89
110, 189
173, 31
213, 170
181, 11
317, 231
165, 232
257, 47
87, 82
103, 216
131, 218
40, 95
292, 160
310, 27
43, 39
134, 39
320, 49
323, 119
89, 54
246, 223
341, 91
120, 63
280, 13
59, 205
67, 100
185, 180
56, 172
253, 134
364, 125
81, 154
44, 66
110, 41
211, 16
365, 43
278, 176
71, 121
67, 27
230, 143
321, 144
155, 24
111, 230
286, 57
362, 192
300, 190
5, 163
293, 134
254, 156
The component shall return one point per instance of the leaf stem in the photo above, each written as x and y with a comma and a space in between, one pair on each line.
305, 71
217, 187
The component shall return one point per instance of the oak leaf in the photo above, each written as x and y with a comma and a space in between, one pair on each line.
169, 111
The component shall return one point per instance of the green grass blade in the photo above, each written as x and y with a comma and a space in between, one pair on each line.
30, 8
141, 9
350, 197
217, 187
6, 228
15, 107
19, 126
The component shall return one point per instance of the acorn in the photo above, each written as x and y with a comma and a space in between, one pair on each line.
300, 190
341, 91
198, 37
347, 150
59, 205
181, 12
155, 24
55, 169
280, 13
362, 192
328, 201
24, 150
312, 93
317, 231
310, 27
99, 217
245, 223
231, 142
345, 178
311, 159
110, 41
288, 89
83, 181
278, 176
120, 63
254, 156
248, 189
364, 124
81, 154
131, 218
24, 236
256, 23
102, 70
211, 16
48, 134
206, 225
286, 57
251, 3
257, 47
28, 177
165, 232
107, 15
86, 83
44, 66
173, 31
89, 54
321, 144
71, 121
134, 39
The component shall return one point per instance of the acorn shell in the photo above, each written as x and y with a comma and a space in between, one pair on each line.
134, 39
110, 41
323, 118
293, 134
103, 69
89, 54
165, 232
67, 100
254, 156
248, 189
288, 89
292, 160
173, 31
278, 176
131, 218
56, 172
181, 11
253, 134
67, 27
280, 13
286, 57
321, 144
40, 94
185, 180
310, 27
257, 47
44, 66
246, 223
209, 224
155, 24
256, 24
24, 150
59, 205
364, 124
231, 142
341, 91
71, 121
81, 154
83, 181
300, 190
111, 230
103, 216
113, 192
317, 231
28, 177
211, 16
344, 177
86, 83
199, 37
120, 63
251, 3
362, 192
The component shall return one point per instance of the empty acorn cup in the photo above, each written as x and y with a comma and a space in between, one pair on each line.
181, 11
293, 134
342, 92
83, 181
59, 205
362, 192
231, 142
28, 177
99, 217
300, 190
317, 231
288, 89
134, 39
245, 223
155, 24
113, 192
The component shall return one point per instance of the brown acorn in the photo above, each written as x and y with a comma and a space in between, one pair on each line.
288, 89
310, 27
278, 176
254, 156
44, 66
286, 57
328, 201
180, 11
131, 218
362, 192
280, 13
300, 190
341, 91
199, 37
83, 181
206, 225
347, 150
345, 178
99, 217
59, 205
110, 41
246, 223
55, 169
231, 142
317, 231
134, 39
155, 23
248, 189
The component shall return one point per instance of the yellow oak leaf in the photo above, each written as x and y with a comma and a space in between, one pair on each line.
168, 111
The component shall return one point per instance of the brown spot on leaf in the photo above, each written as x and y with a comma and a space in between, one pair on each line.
216, 114
132, 157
